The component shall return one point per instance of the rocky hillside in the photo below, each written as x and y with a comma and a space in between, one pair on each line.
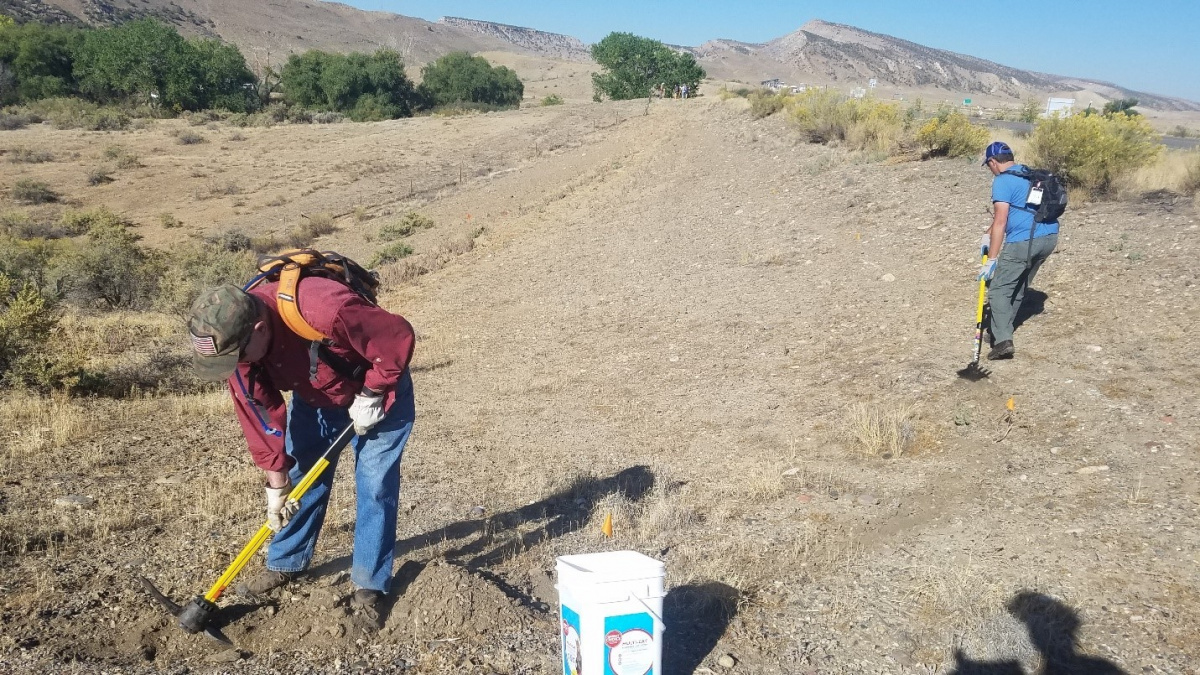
554, 45
272, 30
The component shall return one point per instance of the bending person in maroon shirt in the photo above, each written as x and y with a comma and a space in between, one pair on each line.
358, 376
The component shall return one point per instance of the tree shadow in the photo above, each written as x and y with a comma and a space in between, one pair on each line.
696, 616
1032, 305
494, 539
1053, 630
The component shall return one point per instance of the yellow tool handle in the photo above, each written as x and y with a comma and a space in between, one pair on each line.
264, 533
982, 294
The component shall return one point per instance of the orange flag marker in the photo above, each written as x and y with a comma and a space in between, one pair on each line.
606, 528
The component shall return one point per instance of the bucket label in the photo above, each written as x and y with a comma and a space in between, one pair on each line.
629, 645
570, 642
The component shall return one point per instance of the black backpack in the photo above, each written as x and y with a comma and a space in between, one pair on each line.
1051, 203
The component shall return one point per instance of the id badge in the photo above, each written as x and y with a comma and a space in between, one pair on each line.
1035, 196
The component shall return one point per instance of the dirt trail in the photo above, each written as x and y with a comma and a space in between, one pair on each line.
674, 317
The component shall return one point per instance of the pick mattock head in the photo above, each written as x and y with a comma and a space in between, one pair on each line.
193, 617
974, 372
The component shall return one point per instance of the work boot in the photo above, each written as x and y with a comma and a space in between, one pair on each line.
264, 582
368, 609
1002, 350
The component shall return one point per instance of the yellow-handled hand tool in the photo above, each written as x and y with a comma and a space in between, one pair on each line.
973, 371
194, 617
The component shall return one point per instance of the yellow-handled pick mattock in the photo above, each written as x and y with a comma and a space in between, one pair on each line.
973, 371
194, 616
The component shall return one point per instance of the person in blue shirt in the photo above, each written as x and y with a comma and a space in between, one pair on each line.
1016, 246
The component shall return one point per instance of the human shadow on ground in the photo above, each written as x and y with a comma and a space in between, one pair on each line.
1032, 305
1053, 629
696, 616
494, 539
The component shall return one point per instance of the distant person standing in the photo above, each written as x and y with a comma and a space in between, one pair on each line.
1017, 245
685, 92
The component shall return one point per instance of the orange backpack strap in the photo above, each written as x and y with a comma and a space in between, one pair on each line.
289, 282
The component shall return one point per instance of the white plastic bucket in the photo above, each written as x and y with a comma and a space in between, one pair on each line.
611, 611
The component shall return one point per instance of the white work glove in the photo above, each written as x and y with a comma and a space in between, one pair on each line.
366, 411
986, 271
985, 242
279, 508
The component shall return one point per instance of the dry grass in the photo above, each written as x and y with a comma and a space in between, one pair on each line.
1176, 171
886, 430
33, 425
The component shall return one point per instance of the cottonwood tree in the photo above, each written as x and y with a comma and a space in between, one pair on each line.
633, 66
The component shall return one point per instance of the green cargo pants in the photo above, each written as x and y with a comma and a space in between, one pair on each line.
1018, 263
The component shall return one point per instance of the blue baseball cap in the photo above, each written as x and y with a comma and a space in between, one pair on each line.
996, 148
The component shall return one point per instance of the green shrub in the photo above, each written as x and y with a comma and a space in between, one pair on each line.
952, 135
763, 103
317, 80
391, 253
112, 269
552, 99
1030, 111
1093, 151
75, 223
29, 191
195, 267
29, 357
168, 221
459, 77
411, 222
30, 156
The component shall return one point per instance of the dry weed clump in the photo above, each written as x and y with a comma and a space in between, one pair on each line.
190, 138
882, 429
100, 175
25, 155
1190, 184
314, 226
30, 191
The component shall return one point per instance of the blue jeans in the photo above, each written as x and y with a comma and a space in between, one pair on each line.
377, 455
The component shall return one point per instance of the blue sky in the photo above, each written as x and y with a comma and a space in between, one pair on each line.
1151, 45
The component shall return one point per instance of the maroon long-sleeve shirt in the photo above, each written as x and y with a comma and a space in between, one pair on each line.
361, 333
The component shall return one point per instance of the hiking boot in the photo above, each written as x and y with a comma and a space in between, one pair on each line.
1002, 350
264, 582
368, 609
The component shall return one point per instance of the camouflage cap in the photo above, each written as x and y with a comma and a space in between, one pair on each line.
221, 323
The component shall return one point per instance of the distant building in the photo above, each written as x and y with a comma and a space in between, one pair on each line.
1059, 106
774, 85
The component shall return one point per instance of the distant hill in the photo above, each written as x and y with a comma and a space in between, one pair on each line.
534, 41
838, 53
